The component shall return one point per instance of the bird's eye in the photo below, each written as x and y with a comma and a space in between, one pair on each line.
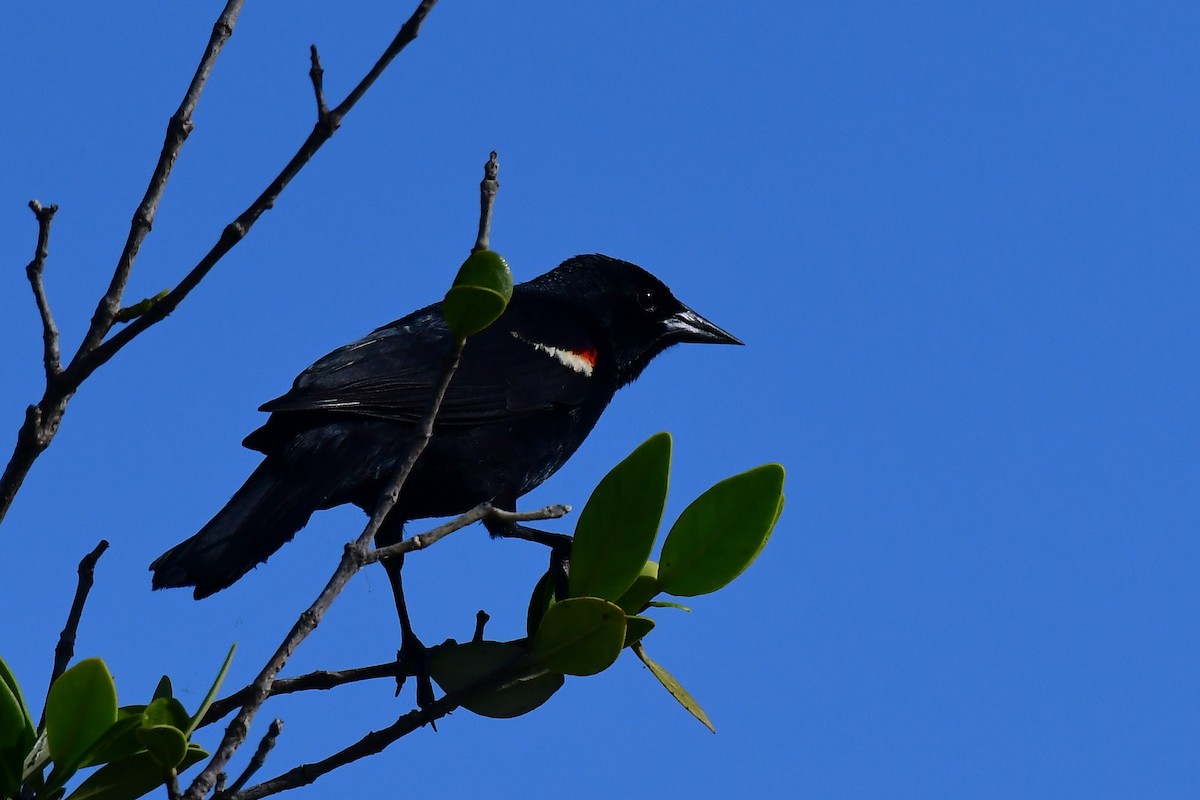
647, 301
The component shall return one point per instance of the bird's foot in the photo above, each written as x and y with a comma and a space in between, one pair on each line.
413, 659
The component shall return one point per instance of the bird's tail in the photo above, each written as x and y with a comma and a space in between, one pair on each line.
260, 518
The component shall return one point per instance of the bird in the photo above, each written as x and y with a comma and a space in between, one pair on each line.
527, 392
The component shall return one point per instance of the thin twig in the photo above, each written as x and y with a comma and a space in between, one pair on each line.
178, 129
65, 649
318, 680
235, 231
35, 270
487, 199
318, 81
376, 741
481, 512
257, 761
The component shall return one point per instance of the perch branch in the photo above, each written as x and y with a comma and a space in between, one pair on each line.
353, 559
326, 679
480, 513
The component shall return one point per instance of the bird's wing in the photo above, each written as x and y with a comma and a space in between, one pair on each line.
505, 372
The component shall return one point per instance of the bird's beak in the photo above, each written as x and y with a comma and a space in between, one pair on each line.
688, 326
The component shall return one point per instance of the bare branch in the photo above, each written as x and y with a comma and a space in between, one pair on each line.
376, 741
34, 271
257, 761
319, 680
481, 512
402, 40
318, 81
42, 420
487, 199
178, 129
65, 649
235, 231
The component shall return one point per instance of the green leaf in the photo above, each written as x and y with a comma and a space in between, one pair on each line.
163, 689
480, 293
12, 718
166, 744
119, 741
643, 589
580, 636
10, 692
458, 667
16, 733
674, 687
131, 777
636, 629
721, 532
616, 530
80, 707
212, 693
540, 600
668, 604
166, 711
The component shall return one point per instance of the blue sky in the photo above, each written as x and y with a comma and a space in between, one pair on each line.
959, 241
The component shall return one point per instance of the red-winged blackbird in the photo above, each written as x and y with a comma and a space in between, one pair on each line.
527, 392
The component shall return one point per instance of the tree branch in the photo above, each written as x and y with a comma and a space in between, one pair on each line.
65, 649
319, 680
480, 513
317, 75
256, 762
376, 741
235, 231
178, 129
34, 271
42, 420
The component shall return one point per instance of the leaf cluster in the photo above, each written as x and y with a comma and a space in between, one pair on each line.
136, 748
613, 581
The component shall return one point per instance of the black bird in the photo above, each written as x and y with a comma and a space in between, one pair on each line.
527, 392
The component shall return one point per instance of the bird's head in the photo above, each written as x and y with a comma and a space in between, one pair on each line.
634, 310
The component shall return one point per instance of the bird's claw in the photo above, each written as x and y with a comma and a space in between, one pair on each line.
413, 659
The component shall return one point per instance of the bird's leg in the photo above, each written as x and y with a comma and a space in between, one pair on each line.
559, 544
412, 652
